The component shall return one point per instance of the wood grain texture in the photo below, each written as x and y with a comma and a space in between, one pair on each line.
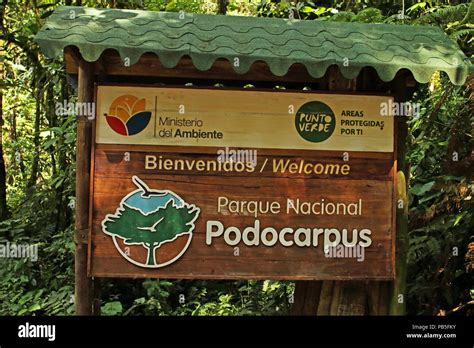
119, 160
112, 181
149, 64
83, 284
247, 118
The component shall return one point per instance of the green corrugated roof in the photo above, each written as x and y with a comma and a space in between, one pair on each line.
278, 42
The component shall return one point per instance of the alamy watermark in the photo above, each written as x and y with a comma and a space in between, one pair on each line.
237, 156
28, 330
19, 251
343, 252
79, 109
392, 108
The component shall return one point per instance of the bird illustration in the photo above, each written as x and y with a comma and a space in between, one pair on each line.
151, 228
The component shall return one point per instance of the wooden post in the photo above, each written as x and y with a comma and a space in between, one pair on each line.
83, 284
398, 288
306, 297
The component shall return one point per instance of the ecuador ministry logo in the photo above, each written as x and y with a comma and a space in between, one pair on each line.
151, 228
127, 115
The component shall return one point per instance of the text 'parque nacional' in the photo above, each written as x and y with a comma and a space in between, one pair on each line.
225, 184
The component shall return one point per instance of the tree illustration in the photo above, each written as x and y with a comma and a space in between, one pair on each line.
153, 229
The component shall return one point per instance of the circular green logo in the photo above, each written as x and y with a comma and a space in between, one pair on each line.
315, 121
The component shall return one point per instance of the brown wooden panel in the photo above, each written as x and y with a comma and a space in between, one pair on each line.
149, 64
370, 179
119, 160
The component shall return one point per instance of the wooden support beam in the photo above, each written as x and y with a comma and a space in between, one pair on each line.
307, 294
83, 284
149, 65
325, 297
398, 295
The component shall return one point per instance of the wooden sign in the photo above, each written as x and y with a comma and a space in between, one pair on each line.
222, 184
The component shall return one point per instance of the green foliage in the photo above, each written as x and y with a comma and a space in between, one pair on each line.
242, 7
369, 15
442, 213
212, 298
41, 197
446, 15
189, 6
111, 308
343, 16
42, 287
456, 20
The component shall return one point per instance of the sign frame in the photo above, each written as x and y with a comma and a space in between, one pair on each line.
393, 181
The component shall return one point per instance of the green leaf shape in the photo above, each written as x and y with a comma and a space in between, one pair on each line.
112, 308
420, 189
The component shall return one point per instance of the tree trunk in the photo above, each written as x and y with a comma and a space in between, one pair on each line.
222, 4
4, 212
36, 140
53, 152
61, 201
16, 157
151, 255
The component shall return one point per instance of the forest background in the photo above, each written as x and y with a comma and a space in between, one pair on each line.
37, 171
